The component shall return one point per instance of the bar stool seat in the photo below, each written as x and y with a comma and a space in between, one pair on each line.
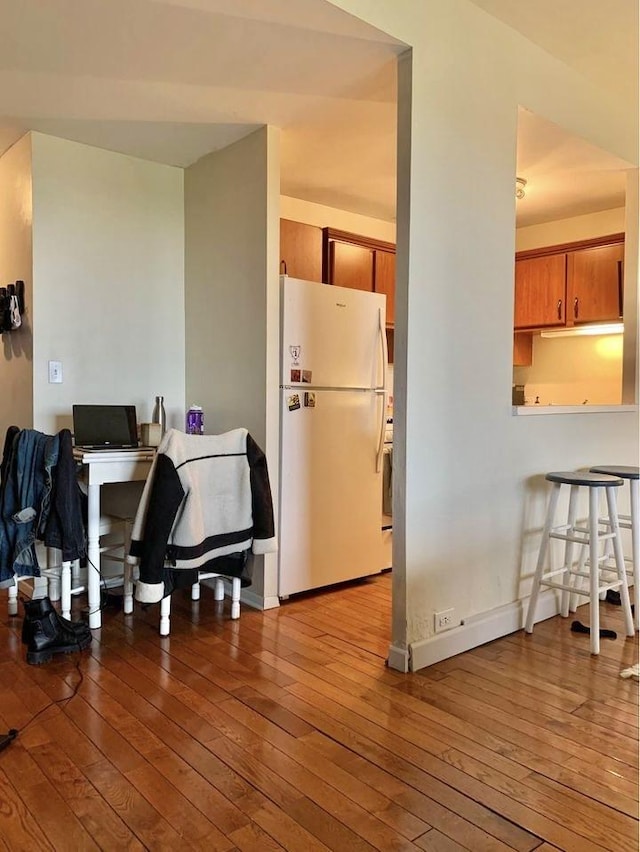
629, 522
598, 573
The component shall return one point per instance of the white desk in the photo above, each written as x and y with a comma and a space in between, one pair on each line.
98, 469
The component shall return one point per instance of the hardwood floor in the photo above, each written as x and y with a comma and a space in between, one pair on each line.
285, 730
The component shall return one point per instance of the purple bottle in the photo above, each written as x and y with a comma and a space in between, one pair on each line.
195, 420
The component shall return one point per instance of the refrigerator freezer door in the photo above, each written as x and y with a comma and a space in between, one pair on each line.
330, 493
331, 335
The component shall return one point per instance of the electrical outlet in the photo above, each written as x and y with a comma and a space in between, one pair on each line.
444, 620
55, 372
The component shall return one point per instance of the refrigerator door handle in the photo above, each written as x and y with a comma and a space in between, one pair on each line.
382, 391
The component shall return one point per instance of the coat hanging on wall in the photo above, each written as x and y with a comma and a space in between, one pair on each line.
12, 306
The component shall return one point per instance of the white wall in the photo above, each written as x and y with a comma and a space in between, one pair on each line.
468, 500
232, 298
226, 263
16, 347
631, 355
108, 269
570, 230
568, 371
331, 217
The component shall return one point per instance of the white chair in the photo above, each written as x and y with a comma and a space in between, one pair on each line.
218, 594
65, 579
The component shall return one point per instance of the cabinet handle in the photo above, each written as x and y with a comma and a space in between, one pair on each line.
283, 267
559, 309
575, 308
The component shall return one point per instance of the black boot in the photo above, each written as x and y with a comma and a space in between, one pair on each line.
41, 607
47, 636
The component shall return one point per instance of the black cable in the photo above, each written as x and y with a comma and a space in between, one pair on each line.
7, 739
104, 603
103, 592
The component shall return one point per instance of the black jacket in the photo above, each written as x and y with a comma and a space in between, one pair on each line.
64, 528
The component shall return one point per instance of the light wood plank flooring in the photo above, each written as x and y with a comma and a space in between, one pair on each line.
286, 730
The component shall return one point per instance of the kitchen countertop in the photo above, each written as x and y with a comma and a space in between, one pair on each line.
519, 410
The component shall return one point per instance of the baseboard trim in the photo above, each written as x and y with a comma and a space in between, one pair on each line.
398, 659
251, 599
479, 629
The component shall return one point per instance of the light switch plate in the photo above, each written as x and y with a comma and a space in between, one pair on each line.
55, 372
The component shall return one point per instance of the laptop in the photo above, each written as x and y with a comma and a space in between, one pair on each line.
105, 427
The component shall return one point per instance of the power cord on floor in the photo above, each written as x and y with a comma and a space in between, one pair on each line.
8, 738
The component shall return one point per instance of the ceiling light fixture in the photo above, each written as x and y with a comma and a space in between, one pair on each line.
520, 185
581, 330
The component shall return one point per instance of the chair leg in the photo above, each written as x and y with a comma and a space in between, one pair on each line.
578, 582
542, 554
218, 590
128, 588
634, 484
127, 581
622, 573
235, 597
65, 589
594, 570
568, 551
165, 613
13, 598
53, 584
195, 591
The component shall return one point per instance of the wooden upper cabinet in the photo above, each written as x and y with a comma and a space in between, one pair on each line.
384, 280
540, 291
301, 250
350, 266
594, 284
364, 263
522, 349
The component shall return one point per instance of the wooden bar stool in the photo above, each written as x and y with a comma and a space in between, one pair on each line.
629, 522
591, 537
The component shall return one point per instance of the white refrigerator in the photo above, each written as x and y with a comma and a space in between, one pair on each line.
333, 417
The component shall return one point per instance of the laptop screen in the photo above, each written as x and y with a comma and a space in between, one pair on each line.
105, 426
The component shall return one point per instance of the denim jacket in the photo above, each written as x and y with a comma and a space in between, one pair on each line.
30, 498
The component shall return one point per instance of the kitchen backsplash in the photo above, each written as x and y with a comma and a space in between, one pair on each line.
568, 371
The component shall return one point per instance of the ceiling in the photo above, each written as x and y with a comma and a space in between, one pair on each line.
597, 38
565, 175
172, 80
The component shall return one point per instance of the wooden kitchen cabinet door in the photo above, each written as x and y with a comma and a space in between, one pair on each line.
385, 280
523, 349
540, 291
301, 250
350, 266
594, 284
